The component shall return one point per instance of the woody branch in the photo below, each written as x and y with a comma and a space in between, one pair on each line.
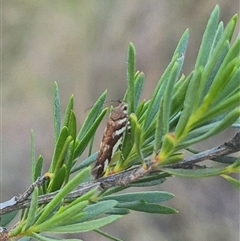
127, 177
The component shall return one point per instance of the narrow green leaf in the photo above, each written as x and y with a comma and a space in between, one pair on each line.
38, 168
137, 139
97, 209
152, 208
32, 211
225, 159
68, 111
233, 52
138, 86
72, 125
191, 94
234, 182
167, 98
69, 159
63, 217
160, 130
217, 127
104, 234
57, 112
25, 239
7, 218
63, 153
91, 143
227, 121
229, 30
130, 78
92, 116
179, 94
70, 186
168, 144
231, 88
207, 172
141, 110
221, 80
58, 179
89, 134
85, 197
113, 190
223, 107
235, 166
118, 211
47, 238
218, 51
154, 103
218, 36
58, 149
173, 158
85, 163
210, 72
85, 226
149, 197
207, 39
182, 44
149, 181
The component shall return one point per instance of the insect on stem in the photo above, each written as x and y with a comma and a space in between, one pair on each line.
116, 125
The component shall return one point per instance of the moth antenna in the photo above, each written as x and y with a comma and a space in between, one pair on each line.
108, 101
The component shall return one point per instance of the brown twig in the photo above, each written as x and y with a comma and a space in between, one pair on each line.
126, 177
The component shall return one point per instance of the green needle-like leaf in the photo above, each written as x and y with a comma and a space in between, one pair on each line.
138, 86
58, 179
137, 139
207, 39
38, 168
68, 161
57, 112
72, 125
234, 182
89, 134
167, 99
70, 186
97, 209
207, 172
92, 116
182, 44
157, 95
130, 78
151, 208
7, 218
191, 94
63, 217
69, 109
104, 234
160, 130
149, 197
85, 226
47, 238
87, 162
58, 149
32, 211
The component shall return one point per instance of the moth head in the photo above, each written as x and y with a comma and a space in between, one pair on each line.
119, 112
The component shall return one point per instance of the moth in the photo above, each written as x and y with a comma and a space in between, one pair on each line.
116, 125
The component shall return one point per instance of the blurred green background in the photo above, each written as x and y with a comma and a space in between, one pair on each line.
83, 46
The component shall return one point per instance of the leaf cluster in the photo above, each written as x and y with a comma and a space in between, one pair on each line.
182, 111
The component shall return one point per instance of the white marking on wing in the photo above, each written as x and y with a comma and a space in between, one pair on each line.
121, 121
119, 132
116, 146
105, 164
